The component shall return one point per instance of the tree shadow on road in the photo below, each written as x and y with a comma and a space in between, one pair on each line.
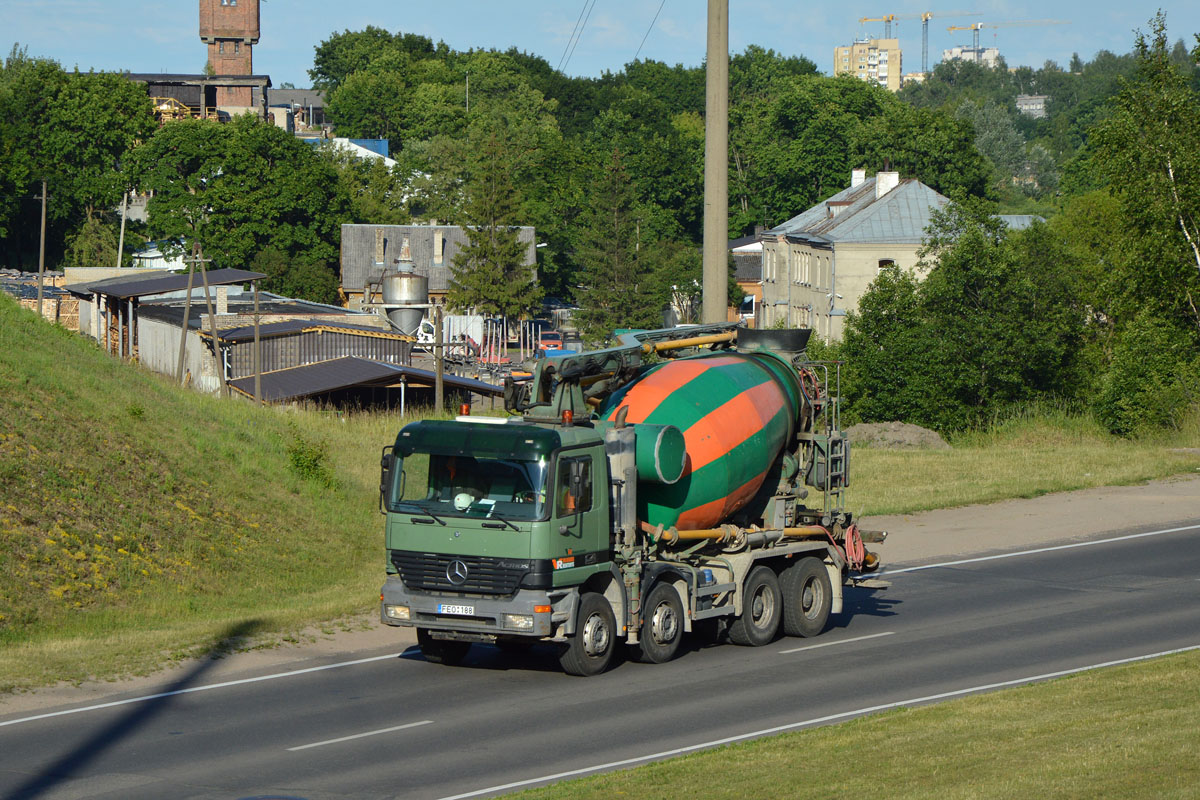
68, 766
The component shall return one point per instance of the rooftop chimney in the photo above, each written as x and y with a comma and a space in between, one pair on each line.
857, 176
885, 182
222, 300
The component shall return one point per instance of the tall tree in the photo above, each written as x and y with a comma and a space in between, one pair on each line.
240, 188
1149, 152
489, 274
613, 284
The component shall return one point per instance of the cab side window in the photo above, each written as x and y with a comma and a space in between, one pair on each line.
574, 486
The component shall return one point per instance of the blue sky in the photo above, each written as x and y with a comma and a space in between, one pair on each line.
160, 35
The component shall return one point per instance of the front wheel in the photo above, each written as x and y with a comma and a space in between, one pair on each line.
590, 650
441, 651
807, 597
662, 626
761, 604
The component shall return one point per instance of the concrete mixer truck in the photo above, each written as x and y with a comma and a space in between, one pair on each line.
647, 490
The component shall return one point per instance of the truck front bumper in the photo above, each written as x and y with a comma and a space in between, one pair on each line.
528, 612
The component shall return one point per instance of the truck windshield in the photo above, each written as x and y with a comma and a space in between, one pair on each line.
472, 486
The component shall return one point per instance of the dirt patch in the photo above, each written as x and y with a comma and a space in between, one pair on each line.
895, 436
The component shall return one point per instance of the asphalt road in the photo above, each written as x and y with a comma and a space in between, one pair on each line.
393, 726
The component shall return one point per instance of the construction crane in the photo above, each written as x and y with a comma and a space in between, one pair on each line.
888, 19
975, 27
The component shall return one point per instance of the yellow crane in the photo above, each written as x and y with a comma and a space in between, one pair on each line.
975, 27
925, 16
886, 19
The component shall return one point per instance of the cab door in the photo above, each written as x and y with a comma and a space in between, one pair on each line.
578, 530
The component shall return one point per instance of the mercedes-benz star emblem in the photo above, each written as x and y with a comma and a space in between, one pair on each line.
456, 572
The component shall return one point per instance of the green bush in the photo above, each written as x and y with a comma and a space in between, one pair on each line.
1152, 380
308, 458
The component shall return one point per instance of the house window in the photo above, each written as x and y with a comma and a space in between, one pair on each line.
220, 47
886, 262
237, 47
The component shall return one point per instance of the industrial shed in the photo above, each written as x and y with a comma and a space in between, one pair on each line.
300, 342
359, 382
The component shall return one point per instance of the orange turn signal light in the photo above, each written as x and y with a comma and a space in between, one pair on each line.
542, 609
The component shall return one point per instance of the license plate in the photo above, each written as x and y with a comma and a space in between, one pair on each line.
464, 611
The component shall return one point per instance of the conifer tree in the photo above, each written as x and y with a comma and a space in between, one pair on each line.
612, 291
489, 274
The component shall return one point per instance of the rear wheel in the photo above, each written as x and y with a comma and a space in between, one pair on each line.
662, 626
589, 651
807, 597
441, 651
761, 604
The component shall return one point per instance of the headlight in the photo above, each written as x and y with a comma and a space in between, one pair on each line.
518, 621
396, 612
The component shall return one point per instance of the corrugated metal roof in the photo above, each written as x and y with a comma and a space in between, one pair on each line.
346, 373
900, 216
246, 332
1019, 222
142, 287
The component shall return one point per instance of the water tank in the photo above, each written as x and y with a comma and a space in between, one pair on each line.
410, 292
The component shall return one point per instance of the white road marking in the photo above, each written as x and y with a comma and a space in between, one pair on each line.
1073, 545
574, 773
198, 689
361, 735
839, 641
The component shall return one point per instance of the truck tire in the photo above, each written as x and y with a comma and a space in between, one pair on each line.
807, 597
441, 651
589, 651
662, 626
761, 607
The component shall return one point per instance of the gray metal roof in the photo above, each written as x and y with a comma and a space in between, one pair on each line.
1019, 222
246, 332
175, 282
855, 215
347, 373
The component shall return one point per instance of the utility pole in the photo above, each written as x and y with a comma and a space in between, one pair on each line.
121, 240
439, 362
716, 165
42, 250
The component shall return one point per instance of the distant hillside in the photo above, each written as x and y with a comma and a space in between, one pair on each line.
138, 518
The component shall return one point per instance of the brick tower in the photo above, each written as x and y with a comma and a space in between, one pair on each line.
230, 29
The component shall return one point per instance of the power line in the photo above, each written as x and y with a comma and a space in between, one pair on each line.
656, 13
580, 36
571, 37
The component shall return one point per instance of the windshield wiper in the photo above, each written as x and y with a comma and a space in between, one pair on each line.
502, 519
425, 511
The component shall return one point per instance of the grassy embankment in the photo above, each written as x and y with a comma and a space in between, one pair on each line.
141, 523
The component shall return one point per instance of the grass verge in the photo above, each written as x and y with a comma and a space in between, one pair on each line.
1122, 732
1021, 457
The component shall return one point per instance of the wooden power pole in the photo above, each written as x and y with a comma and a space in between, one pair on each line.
716, 166
42, 251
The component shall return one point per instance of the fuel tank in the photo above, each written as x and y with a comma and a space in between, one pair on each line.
737, 410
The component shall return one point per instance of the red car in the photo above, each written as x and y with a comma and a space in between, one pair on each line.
550, 340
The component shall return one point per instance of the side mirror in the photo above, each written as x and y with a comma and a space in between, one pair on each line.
387, 463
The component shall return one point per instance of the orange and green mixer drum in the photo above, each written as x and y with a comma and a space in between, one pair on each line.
736, 411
